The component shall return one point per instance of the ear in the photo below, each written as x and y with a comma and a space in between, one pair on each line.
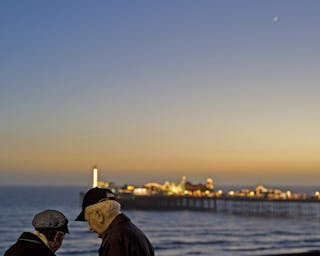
100, 216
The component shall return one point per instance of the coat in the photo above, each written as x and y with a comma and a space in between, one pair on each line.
123, 238
28, 244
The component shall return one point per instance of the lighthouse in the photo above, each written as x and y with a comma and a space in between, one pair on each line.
95, 177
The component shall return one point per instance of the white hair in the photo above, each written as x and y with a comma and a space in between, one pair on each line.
109, 208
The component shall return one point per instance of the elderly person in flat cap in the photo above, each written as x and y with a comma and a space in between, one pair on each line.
50, 226
120, 237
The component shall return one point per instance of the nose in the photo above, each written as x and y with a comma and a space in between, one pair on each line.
90, 228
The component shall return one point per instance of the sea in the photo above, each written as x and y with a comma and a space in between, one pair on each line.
172, 233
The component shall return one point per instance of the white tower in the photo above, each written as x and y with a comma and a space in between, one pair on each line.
95, 177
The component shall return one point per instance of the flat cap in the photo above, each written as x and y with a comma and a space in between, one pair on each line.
50, 220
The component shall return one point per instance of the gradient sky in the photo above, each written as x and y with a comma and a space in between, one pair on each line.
153, 90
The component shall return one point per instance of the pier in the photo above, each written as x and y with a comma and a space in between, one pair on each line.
270, 208
255, 207
168, 203
261, 201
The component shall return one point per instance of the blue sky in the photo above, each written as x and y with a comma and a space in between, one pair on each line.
152, 90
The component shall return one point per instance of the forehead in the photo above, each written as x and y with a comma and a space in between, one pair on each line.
86, 214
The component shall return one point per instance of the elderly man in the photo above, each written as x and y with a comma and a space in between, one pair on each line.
50, 227
120, 237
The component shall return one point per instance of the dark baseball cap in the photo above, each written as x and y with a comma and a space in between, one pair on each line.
50, 220
93, 196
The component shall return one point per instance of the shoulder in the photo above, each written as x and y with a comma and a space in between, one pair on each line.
29, 244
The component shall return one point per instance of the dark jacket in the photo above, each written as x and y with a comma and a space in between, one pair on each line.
28, 244
123, 238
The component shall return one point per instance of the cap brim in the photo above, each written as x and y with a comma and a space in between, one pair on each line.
80, 217
64, 229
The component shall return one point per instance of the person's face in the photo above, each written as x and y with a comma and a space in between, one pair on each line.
57, 242
95, 221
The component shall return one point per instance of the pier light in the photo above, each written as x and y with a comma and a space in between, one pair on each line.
231, 193
95, 177
288, 193
317, 193
174, 190
130, 187
140, 191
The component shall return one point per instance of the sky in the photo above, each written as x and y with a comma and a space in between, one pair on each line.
154, 90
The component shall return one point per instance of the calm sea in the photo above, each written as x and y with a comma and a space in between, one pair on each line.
171, 232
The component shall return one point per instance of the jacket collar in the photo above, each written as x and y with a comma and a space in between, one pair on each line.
41, 236
119, 219
30, 237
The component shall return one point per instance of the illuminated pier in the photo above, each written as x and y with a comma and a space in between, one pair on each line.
167, 203
184, 195
271, 208
252, 207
